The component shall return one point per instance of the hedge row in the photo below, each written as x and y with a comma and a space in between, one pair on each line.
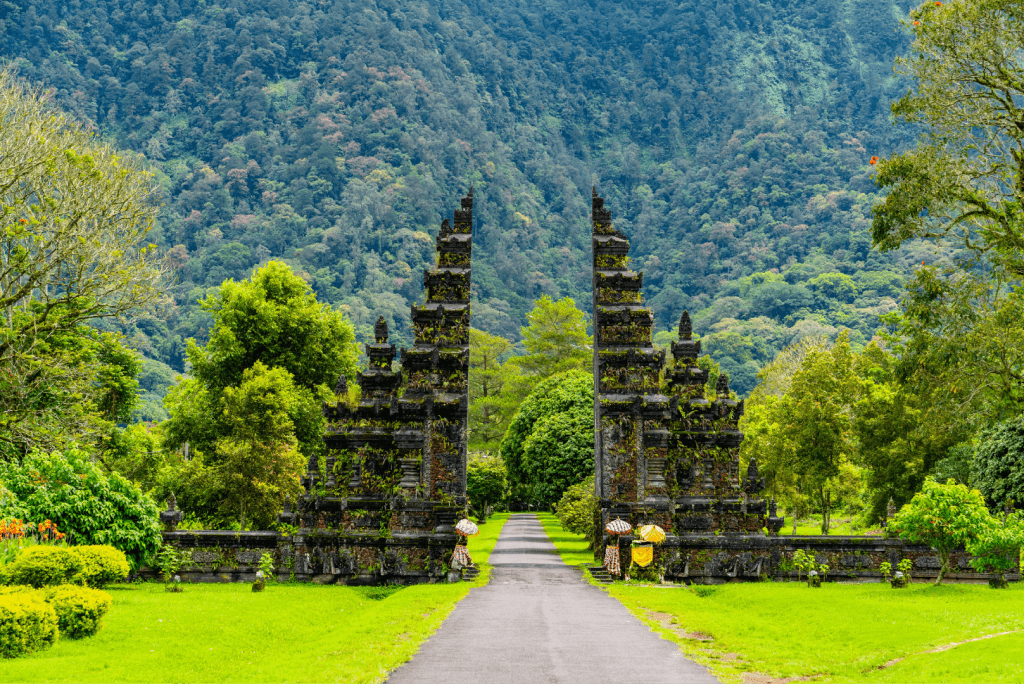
47, 566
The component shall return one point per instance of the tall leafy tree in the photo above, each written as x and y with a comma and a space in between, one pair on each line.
555, 341
816, 425
490, 406
549, 445
73, 251
962, 188
258, 462
964, 181
270, 332
274, 319
903, 426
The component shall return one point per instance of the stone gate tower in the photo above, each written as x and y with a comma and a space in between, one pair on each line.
663, 453
381, 506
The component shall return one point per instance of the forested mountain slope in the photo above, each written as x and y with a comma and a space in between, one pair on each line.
731, 141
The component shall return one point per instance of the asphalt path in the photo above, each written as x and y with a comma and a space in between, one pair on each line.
539, 621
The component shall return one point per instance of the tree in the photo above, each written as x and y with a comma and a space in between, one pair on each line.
560, 451
549, 442
805, 434
556, 338
556, 341
258, 462
962, 187
964, 182
486, 482
998, 467
997, 547
958, 340
96, 390
273, 319
942, 516
75, 214
903, 427
490, 407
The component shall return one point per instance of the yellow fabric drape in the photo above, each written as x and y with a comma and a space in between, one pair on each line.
643, 555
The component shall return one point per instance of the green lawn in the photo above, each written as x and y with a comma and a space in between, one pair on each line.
838, 633
225, 633
811, 525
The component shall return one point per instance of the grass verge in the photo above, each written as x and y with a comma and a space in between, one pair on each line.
225, 633
838, 633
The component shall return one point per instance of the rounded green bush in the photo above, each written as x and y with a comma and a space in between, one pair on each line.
27, 623
101, 565
78, 609
44, 566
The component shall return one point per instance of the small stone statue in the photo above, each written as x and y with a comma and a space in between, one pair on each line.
172, 516
774, 523
685, 326
722, 388
380, 331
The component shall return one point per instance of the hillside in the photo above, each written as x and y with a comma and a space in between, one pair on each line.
731, 143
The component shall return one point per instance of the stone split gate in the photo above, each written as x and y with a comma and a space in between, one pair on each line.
381, 507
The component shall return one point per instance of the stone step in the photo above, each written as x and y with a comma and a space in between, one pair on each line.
470, 574
600, 574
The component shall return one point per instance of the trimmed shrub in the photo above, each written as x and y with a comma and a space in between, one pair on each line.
43, 566
577, 510
101, 565
27, 623
78, 609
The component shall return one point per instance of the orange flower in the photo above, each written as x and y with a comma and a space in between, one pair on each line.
874, 161
938, 4
917, 23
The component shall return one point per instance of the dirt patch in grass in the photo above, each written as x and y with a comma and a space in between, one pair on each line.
668, 621
947, 647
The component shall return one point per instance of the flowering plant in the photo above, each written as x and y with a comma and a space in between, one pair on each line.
16, 535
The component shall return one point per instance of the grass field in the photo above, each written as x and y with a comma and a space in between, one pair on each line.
225, 633
838, 633
811, 525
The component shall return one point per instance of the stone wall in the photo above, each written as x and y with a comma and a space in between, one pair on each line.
703, 559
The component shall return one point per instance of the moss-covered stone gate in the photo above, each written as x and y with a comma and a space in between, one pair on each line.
381, 506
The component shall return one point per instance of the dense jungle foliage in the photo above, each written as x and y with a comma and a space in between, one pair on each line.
731, 141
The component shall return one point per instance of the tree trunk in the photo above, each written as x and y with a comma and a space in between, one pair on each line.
944, 568
823, 501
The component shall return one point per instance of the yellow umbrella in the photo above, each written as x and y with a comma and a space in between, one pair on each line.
652, 533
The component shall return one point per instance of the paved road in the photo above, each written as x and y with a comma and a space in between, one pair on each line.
538, 621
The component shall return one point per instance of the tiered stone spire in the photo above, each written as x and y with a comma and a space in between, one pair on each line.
626, 370
663, 453
380, 506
